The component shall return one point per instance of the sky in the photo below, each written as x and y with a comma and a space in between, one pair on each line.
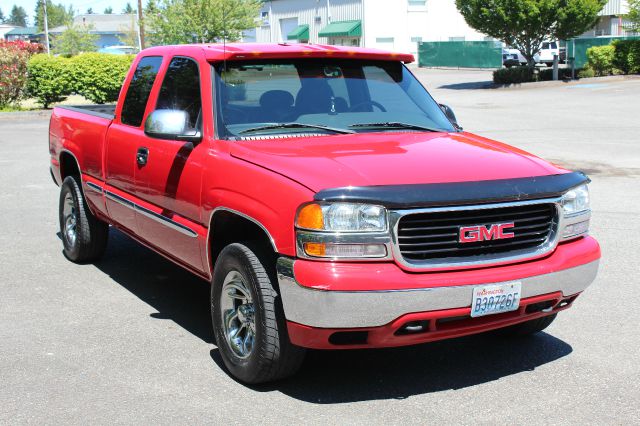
80, 6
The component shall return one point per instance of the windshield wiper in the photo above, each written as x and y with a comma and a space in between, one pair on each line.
296, 126
395, 125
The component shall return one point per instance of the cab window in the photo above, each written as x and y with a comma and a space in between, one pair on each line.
135, 101
180, 89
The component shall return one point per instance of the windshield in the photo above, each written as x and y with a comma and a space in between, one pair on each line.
283, 97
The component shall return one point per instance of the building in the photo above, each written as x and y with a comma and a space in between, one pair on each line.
385, 24
110, 28
611, 21
4, 29
24, 33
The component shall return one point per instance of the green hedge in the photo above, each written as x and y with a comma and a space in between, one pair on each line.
627, 56
514, 75
547, 74
96, 76
48, 79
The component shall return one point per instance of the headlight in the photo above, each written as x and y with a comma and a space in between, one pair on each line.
576, 211
352, 231
342, 217
576, 200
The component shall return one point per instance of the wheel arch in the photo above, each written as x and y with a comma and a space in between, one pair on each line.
229, 226
69, 165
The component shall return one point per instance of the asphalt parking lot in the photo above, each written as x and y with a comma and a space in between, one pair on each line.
128, 339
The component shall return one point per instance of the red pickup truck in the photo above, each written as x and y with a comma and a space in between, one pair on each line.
329, 200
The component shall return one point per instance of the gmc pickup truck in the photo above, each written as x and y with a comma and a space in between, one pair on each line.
329, 200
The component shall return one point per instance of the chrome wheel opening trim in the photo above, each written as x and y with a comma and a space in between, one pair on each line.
152, 215
245, 216
237, 315
70, 220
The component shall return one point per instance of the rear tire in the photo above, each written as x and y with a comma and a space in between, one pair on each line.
84, 236
248, 319
528, 327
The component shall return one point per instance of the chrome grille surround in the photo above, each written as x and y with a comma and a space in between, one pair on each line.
459, 262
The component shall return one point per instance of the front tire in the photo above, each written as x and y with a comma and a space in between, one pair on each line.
84, 236
248, 320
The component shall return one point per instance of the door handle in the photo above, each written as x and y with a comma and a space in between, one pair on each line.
142, 156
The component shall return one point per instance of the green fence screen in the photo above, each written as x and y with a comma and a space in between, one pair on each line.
580, 46
464, 54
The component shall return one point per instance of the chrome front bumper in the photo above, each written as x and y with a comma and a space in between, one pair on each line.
352, 309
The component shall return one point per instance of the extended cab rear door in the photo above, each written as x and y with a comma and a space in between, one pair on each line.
122, 142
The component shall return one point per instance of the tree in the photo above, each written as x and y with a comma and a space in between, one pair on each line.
57, 15
525, 24
633, 16
74, 40
1, 17
128, 9
90, 11
201, 21
17, 17
108, 10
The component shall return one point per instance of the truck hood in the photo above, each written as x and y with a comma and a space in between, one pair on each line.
367, 159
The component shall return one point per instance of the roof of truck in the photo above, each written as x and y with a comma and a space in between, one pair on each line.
236, 51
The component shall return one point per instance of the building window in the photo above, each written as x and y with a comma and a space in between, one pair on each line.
417, 5
416, 39
264, 16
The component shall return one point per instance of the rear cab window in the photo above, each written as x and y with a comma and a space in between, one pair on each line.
135, 101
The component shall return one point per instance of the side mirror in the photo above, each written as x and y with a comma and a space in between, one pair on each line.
450, 115
170, 124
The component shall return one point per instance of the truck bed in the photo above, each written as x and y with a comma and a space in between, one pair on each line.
99, 110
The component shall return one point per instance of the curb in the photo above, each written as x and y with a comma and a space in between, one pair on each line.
551, 83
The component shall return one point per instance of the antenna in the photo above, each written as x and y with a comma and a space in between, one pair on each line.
224, 38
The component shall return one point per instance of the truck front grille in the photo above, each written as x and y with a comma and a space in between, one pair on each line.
435, 235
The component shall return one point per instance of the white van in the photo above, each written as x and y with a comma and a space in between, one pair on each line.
547, 50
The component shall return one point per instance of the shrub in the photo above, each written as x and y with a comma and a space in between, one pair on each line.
13, 70
99, 76
600, 59
547, 74
49, 80
627, 56
515, 75
586, 73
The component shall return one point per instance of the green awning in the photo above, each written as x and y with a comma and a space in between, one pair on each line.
301, 32
342, 29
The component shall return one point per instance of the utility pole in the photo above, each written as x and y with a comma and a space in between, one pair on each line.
140, 24
46, 26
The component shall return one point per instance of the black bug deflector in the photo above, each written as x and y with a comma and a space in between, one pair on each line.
457, 193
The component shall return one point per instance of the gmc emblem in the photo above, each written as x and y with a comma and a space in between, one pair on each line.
472, 234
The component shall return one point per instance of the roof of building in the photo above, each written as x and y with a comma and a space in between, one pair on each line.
257, 51
114, 23
23, 31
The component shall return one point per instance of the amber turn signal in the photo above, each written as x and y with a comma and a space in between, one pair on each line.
310, 217
315, 249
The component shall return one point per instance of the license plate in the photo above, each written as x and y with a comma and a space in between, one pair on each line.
495, 299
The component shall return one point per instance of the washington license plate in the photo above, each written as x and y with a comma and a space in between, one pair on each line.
495, 298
